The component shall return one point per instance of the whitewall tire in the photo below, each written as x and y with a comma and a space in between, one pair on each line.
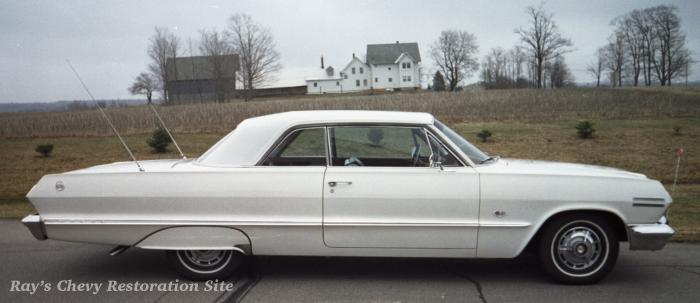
578, 249
202, 265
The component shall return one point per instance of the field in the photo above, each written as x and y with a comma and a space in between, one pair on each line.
634, 131
472, 106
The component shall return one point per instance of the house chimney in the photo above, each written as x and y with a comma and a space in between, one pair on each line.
353, 55
321, 61
397, 41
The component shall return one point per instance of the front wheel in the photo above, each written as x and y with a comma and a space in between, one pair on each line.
578, 249
205, 265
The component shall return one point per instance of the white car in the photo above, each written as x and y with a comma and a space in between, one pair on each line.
355, 183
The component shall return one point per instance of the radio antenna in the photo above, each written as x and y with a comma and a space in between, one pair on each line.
155, 112
109, 121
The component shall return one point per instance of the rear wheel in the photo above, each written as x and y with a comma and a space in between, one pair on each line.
205, 264
578, 249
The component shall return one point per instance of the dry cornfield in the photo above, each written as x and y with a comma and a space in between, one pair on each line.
470, 105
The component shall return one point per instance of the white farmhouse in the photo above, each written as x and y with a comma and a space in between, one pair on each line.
392, 66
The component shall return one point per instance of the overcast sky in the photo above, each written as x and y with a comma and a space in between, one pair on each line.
106, 40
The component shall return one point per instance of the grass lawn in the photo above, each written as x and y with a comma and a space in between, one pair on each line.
646, 146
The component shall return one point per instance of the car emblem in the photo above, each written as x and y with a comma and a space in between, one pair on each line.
60, 186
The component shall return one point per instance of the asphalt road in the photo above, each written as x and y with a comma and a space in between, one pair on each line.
671, 275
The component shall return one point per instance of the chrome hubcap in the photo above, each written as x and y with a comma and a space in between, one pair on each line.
205, 261
205, 258
579, 248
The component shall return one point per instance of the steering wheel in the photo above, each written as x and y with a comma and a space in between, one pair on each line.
353, 161
415, 155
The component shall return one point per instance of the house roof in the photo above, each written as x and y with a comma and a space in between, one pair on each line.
351, 61
321, 74
388, 53
245, 145
200, 67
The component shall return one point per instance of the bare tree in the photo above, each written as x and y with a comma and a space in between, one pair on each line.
672, 50
597, 67
560, 74
615, 57
163, 45
543, 39
633, 40
455, 55
145, 84
256, 48
642, 20
223, 69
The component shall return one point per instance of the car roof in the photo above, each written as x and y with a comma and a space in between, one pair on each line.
246, 144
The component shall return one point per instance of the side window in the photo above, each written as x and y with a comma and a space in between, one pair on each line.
441, 154
386, 146
303, 147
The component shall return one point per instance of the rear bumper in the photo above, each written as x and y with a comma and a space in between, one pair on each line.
36, 226
650, 236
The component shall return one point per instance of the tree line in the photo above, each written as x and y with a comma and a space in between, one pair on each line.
647, 47
538, 61
251, 41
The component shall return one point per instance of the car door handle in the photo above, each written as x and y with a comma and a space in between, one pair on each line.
334, 183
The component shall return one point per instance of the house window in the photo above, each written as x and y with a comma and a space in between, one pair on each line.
409, 78
403, 65
345, 76
389, 68
315, 84
357, 82
408, 64
376, 80
362, 70
337, 83
353, 70
403, 78
389, 79
364, 82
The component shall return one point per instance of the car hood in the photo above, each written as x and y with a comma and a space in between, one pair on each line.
535, 167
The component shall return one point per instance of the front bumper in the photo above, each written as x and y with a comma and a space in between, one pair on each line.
650, 236
35, 225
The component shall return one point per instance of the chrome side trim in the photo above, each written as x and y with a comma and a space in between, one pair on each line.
645, 199
399, 224
36, 226
154, 247
276, 223
514, 225
636, 204
178, 222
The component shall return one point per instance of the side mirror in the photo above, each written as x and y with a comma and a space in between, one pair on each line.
437, 164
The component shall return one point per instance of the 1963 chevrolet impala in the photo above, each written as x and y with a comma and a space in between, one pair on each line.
355, 183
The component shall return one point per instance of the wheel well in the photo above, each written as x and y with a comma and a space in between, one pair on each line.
617, 224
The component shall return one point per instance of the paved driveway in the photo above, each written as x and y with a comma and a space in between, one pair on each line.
671, 275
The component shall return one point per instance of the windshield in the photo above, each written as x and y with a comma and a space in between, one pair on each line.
476, 155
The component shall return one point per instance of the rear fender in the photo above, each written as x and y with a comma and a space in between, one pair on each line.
197, 238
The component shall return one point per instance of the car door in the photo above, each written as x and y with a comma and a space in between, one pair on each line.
381, 191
